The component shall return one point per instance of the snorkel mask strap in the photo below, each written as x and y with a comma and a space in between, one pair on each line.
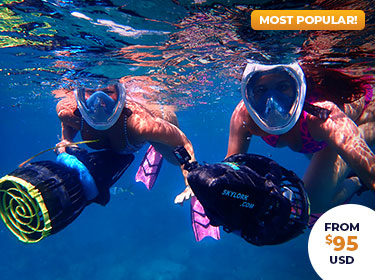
316, 111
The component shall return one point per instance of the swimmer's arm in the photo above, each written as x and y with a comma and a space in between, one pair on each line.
69, 124
343, 134
168, 134
67, 132
239, 136
67, 135
158, 130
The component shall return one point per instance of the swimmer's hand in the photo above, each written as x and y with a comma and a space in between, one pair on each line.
185, 195
61, 146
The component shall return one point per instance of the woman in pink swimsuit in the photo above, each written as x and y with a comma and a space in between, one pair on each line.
325, 113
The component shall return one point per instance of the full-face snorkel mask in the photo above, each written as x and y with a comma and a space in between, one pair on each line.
274, 95
101, 109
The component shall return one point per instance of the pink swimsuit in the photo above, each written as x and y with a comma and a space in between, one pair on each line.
309, 144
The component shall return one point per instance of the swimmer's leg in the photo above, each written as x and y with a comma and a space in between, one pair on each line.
324, 174
346, 191
346, 187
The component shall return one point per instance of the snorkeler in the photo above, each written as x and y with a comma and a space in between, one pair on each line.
120, 122
315, 111
39, 199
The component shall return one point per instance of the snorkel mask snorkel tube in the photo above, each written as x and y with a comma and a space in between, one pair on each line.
100, 110
271, 109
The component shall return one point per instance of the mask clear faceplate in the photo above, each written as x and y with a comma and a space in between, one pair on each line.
101, 108
274, 95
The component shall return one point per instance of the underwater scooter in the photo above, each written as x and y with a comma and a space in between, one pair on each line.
249, 195
41, 198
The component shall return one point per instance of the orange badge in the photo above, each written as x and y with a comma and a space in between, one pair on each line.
308, 20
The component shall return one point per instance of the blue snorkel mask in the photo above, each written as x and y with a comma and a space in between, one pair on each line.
99, 109
274, 95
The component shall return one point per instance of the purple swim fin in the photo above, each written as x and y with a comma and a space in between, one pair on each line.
201, 223
149, 169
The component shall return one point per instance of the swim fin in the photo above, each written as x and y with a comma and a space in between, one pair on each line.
149, 168
201, 223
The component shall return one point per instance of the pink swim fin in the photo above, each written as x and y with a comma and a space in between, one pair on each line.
201, 223
149, 169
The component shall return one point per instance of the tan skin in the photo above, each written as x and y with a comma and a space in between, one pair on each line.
142, 126
348, 147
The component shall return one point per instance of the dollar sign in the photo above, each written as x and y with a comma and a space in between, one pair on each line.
329, 240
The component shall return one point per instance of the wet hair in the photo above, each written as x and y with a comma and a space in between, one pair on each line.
324, 84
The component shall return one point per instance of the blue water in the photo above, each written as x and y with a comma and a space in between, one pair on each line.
141, 234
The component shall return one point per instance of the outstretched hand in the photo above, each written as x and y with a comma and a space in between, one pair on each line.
185, 195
